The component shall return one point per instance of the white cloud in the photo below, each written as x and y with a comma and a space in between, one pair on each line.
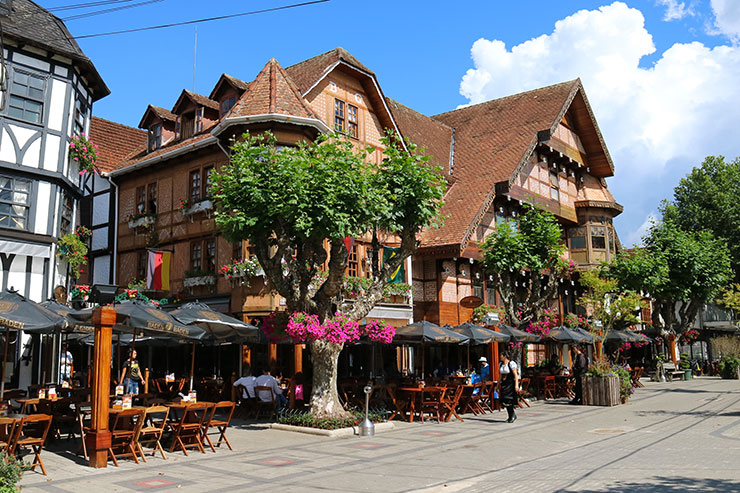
675, 10
634, 238
727, 18
657, 121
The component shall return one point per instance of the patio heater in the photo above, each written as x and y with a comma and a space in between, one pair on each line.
367, 428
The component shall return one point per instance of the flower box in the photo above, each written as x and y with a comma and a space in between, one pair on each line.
142, 221
202, 206
190, 282
601, 391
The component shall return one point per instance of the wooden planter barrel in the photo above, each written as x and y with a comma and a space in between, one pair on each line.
601, 391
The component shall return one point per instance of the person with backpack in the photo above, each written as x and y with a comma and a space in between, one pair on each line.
509, 386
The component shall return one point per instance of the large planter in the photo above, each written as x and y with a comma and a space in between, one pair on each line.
201, 206
190, 282
687, 375
601, 391
141, 221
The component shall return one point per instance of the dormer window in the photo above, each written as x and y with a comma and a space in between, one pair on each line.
190, 123
226, 105
155, 137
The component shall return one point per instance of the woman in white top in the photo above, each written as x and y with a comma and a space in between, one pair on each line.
509, 384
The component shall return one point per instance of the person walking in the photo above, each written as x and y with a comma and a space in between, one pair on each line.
509, 386
579, 368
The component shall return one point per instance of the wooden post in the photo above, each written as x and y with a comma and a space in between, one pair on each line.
5, 358
495, 375
146, 380
272, 356
99, 438
192, 367
672, 348
297, 358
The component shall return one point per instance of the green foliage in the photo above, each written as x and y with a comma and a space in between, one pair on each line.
708, 199
138, 284
615, 309
11, 471
529, 251
728, 367
480, 312
684, 362
625, 382
306, 419
72, 248
730, 298
397, 289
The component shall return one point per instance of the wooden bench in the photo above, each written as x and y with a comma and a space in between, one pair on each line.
671, 374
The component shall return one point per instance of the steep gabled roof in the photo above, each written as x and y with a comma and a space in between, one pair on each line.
492, 140
197, 99
158, 112
271, 92
237, 84
115, 142
433, 135
32, 24
306, 73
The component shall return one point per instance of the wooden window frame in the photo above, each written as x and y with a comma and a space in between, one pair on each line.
21, 96
154, 135
79, 116
151, 197
18, 211
196, 261
340, 115
353, 264
66, 214
141, 264
199, 189
353, 121
140, 198
554, 186
226, 105
187, 125
592, 230
210, 257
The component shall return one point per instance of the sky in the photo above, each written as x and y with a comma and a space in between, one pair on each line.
662, 76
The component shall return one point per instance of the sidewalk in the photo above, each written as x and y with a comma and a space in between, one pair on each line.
670, 437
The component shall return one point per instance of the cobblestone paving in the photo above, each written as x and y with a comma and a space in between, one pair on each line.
676, 436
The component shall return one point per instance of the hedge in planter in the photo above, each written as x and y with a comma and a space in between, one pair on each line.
729, 366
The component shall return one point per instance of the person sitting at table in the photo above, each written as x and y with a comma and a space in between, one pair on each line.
131, 374
441, 370
485, 369
267, 380
247, 381
509, 386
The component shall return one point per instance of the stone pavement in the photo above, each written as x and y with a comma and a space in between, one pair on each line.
674, 436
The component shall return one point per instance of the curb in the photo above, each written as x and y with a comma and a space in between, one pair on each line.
341, 432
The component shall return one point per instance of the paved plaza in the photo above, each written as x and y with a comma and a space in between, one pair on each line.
675, 436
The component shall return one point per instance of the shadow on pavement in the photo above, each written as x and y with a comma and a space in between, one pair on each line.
670, 484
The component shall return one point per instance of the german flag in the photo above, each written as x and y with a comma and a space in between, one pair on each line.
158, 270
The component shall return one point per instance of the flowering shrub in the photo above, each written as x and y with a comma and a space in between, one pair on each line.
244, 270
629, 345
542, 327
573, 320
83, 232
689, 337
483, 310
397, 289
72, 247
84, 153
184, 204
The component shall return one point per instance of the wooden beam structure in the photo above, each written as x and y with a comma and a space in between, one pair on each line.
99, 437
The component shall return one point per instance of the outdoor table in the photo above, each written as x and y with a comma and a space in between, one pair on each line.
564, 385
412, 393
177, 408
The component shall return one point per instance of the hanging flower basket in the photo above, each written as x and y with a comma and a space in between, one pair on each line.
73, 248
242, 271
198, 278
84, 153
188, 208
143, 220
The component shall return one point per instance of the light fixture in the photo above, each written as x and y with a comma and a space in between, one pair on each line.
103, 294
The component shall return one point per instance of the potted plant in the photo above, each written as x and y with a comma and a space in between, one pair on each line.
242, 270
685, 365
72, 247
198, 278
188, 207
397, 293
141, 219
79, 295
85, 153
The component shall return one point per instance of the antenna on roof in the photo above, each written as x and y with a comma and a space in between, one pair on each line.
195, 55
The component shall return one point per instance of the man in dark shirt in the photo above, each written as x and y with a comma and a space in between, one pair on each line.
131, 374
579, 368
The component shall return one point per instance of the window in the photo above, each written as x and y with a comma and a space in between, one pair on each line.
196, 256
612, 247
26, 97
352, 263
187, 125
199, 177
141, 264
577, 238
79, 116
151, 192
198, 120
140, 200
535, 354
369, 262
598, 238
155, 137
554, 187
227, 104
65, 226
236, 251
210, 260
352, 121
14, 202
339, 117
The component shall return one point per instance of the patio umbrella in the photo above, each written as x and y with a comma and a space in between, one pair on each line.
566, 335
218, 326
147, 319
623, 335
479, 335
424, 331
518, 335
19, 313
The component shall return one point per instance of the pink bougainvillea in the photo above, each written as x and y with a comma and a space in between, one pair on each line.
302, 327
380, 332
542, 327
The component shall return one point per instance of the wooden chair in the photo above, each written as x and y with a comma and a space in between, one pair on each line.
270, 405
450, 401
244, 405
126, 427
521, 396
82, 416
399, 405
32, 432
431, 402
187, 431
64, 418
464, 404
487, 400
220, 424
550, 389
473, 402
7, 433
155, 422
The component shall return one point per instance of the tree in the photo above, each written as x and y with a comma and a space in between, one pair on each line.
614, 308
528, 252
680, 270
296, 205
708, 199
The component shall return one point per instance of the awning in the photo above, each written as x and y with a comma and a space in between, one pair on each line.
28, 249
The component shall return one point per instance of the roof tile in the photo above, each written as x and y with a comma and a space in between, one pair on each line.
115, 142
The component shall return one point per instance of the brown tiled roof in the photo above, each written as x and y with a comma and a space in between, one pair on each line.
424, 131
491, 139
238, 83
306, 73
142, 155
198, 99
163, 113
271, 92
115, 142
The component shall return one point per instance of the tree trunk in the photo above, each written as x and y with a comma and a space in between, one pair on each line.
324, 397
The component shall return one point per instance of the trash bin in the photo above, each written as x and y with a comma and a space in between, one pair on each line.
687, 374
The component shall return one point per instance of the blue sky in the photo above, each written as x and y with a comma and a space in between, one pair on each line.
663, 76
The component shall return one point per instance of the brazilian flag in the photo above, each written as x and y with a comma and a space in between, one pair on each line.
398, 275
